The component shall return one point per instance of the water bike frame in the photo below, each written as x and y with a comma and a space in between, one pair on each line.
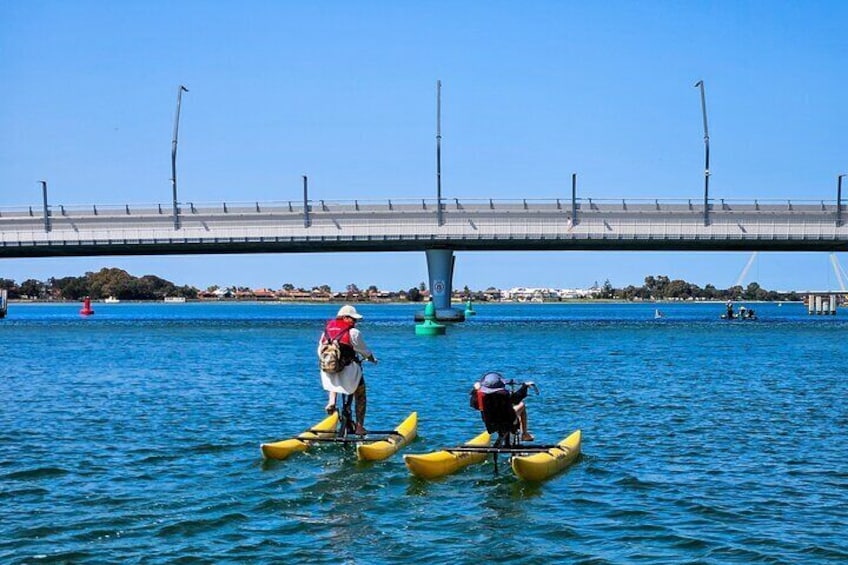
346, 427
508, 440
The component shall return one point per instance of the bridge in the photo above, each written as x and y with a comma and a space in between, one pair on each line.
436, 227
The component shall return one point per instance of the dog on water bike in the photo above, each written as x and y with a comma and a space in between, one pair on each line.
503, 411
349, 378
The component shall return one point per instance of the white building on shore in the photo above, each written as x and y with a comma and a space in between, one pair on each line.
538, 294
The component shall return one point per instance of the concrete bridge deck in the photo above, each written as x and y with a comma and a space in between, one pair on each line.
411, 225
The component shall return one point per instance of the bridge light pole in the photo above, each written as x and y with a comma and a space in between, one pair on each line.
306, 221
573, 199
44, 202
180, 91
700, 84
839, 199
439, 152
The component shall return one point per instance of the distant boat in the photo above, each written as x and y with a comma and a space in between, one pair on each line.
175, 299
658, 314
111, 300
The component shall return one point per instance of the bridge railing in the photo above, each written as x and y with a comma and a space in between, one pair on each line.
423, 205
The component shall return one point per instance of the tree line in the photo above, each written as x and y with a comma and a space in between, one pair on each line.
120, 284
114, 282
102, 284
662, 288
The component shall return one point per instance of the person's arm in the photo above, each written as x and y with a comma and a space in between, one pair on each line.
359, 345
320, 342
520, 394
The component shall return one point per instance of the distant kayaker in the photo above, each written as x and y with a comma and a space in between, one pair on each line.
346, 377
492, 384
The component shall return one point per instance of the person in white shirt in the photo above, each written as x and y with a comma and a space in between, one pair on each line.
349, 380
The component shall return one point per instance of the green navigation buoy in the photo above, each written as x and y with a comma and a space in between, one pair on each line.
430, 327
469, 310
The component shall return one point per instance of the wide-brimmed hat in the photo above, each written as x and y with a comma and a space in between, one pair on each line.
350, 311
492, 382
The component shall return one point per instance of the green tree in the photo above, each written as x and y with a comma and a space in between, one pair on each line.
678, 289
607, 291
33, 289
755, 292
71, 288
10, 286
109, 282
735, 292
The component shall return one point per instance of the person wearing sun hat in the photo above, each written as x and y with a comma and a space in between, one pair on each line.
349, 380
493, 382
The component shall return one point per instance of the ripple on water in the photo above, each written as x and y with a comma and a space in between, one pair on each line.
23, 493
191, 526
46, 472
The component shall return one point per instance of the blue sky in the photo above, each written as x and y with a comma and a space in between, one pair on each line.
345, 92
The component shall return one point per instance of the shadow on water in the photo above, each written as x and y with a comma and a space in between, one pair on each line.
421, 487
521, 490
499, 495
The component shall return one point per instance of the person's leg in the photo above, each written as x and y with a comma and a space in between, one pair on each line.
521, 412
361, 399
331, 403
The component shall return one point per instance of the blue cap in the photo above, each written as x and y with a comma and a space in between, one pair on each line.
492, 382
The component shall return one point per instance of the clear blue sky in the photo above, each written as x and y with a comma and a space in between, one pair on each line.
345, 92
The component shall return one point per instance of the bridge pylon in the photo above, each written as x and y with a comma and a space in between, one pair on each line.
440, 263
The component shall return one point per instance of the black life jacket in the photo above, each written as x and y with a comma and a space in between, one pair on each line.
497, 411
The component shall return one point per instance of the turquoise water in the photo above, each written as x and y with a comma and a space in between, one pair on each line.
132, 436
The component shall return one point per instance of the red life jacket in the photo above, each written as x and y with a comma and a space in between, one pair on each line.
340, 329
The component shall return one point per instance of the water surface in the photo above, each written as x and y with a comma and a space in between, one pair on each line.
132, 436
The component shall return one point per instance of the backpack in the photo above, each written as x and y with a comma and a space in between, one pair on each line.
330, 354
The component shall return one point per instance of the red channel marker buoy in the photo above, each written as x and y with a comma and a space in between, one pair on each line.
86, 307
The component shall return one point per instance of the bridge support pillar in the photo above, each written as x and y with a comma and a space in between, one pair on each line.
440, 270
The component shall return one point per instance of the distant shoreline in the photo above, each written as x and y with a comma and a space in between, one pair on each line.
402, 302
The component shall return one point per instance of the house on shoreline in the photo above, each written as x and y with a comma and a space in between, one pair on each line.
324, 294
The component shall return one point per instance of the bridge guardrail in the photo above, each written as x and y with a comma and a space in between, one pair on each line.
478, 205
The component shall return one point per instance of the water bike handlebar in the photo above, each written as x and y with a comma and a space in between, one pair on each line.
530, 384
